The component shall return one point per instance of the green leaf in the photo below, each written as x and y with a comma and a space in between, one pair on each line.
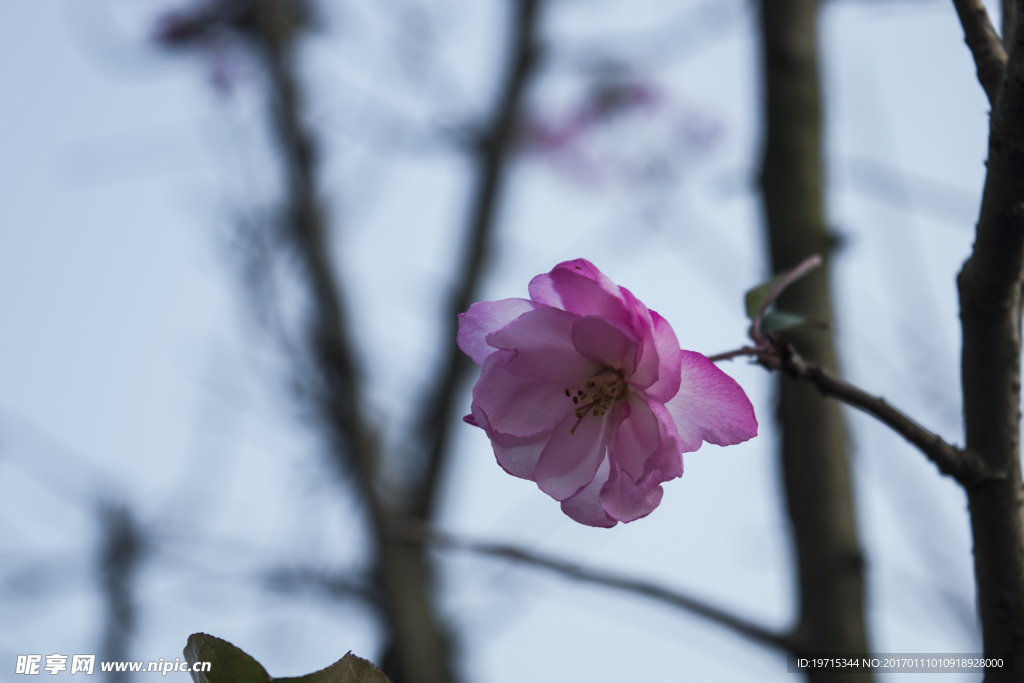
348, 669
759, 296
756, 296
228, 664
780, 320
777, 321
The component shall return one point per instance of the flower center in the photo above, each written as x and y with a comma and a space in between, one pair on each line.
597, 395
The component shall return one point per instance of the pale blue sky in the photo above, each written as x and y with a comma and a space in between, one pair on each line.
131, 369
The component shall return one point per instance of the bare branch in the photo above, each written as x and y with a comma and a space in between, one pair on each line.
421, 533
990, 313
962, 465
814, 463
342, 586
419, 651
121, 551
742, 351
493, 150
986, 47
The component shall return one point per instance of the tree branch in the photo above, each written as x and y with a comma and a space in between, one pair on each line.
343, 586
122, 549
813, 446
990, 303
1007, 22
985, 44
419, 653
962, 465
420, 533
493, 150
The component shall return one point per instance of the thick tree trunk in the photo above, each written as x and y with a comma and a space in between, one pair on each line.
419, 652
990, 310
1008, 21
815, 466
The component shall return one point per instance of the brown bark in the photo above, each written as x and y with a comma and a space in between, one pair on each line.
1007, 21
962, 465
984, 43
815, 466
990, 310
422, 654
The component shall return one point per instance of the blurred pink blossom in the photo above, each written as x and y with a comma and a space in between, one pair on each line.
222, 31
586, 392
622, 131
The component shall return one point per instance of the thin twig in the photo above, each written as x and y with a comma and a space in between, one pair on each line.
729, 355
986, 47
344, 586
774, 354
960, 464
493, 151
421, 533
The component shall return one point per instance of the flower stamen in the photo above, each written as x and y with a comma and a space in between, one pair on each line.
599, 394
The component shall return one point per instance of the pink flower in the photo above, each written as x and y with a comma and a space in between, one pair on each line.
586, 392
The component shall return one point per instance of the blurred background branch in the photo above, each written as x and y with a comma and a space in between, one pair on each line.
122, 549
492, 150
729, 621
813, 451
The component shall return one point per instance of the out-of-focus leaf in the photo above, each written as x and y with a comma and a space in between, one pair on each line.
756, 296
228, 664
777, 321
761, 296
780, 320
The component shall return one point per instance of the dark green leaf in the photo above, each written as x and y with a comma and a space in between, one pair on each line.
348, 669
228, 664
761, 296
777, 321
756, 296
780, 320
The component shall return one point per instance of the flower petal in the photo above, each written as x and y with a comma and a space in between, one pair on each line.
638, 437
710, 405
578, 286
667, 348
625, 500
517, 406
585, 507
667, 462
483, 318
647, 367
603, 341
517, 455
542, 339
570, 461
